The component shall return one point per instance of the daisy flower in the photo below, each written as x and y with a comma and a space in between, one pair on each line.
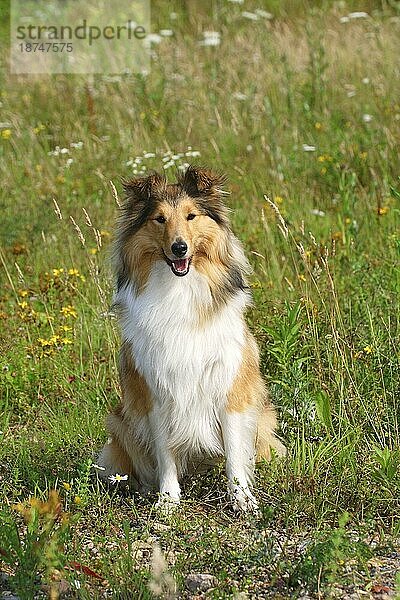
117, 478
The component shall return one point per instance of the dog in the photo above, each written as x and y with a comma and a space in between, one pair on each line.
189, 366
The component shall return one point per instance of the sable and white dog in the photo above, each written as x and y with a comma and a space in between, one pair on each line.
189, 367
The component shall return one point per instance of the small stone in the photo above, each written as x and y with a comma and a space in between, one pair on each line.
200, 582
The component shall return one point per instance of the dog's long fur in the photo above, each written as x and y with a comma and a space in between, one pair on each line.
189, 367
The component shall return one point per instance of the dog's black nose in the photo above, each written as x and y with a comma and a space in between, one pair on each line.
179, 248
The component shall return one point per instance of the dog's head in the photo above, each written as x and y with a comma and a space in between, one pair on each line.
180, 223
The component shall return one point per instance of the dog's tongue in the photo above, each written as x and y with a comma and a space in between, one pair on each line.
181, 265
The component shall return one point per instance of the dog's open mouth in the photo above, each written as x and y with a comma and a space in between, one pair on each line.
179, 266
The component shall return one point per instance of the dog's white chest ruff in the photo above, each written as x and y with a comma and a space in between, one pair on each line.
189, 368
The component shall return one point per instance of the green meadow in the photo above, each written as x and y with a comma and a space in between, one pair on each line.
300, 107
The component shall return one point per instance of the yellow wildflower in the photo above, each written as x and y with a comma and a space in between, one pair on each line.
69, 311
66, 341
50, 342
382, 210
301, 277
347, 221
23, 293
57, 272
23, 304
39, 128
363, 155
67, 485
318, 126
278, 199
6, 134
92, 250
78, 500
368, 350
65, 328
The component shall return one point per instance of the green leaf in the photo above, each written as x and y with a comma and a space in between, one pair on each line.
323, 408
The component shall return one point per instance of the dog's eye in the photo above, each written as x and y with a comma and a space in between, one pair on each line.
160, 219
190, 217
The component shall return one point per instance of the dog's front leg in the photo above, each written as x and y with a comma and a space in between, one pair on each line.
169, 488
239, 453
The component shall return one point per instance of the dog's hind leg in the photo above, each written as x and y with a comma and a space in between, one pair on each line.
114, 459
123, 454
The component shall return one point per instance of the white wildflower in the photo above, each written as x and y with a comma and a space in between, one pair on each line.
365, 80
250, 15
211, 38
240, 96
169, 164
308, 148
358, 15
264, 14
149, 155
166, 32
354, 15
367, 118
152, 38
317, 212
117, 478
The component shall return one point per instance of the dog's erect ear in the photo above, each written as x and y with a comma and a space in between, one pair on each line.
199, 181
206, 187
142, 188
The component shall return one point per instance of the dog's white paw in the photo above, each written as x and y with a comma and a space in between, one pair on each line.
243, 500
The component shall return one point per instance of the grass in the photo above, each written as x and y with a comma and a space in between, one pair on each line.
326, 287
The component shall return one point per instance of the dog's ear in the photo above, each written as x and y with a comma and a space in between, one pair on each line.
199, 181
206, 187
141, 189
